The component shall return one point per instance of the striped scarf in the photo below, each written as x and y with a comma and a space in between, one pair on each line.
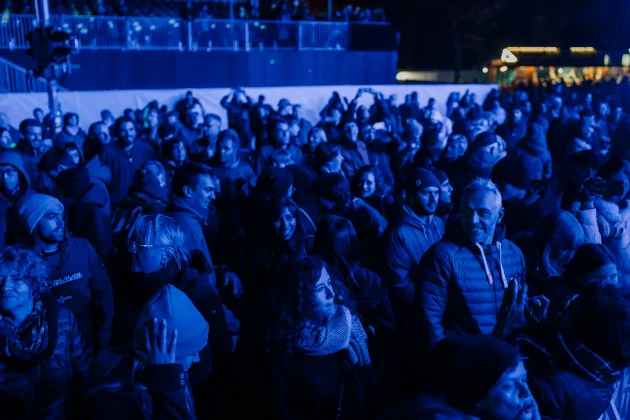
342, 331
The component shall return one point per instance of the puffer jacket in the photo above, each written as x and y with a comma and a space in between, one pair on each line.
47, 384
611, 219
461, 284
406, 241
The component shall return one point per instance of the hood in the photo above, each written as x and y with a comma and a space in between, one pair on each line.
611, 211
409, 217
99, 171
181, 205
479, 160
534, 141
10, 157
94, 196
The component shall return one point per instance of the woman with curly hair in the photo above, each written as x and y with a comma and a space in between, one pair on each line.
369, 185
42, 367
320, 365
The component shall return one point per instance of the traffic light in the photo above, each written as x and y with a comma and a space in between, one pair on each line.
40, 45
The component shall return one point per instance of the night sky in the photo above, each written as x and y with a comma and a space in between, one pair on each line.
429, 29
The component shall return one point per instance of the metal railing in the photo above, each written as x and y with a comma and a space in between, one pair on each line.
144, 33
16, 79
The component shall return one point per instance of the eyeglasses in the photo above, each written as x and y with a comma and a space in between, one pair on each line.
133, 246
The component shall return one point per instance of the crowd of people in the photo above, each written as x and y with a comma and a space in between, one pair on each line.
285, 10
390, 261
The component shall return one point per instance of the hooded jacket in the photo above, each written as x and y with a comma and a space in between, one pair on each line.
611, 219
11, 227
47, 384
461, 284
191, 220
102, 176
77, 278
532, 151
87, 218
406, 241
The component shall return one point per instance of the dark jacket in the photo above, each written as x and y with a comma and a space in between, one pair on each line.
78, 279
159, 394
355, 156
11, 228
194, 280
264, 157
123, 166
370, 227
454, 293
423, 407
66, 137
191, 221
88, 219
101, 176
48, 384
532, 151
406, 241
30, 157
566, 378
236, 180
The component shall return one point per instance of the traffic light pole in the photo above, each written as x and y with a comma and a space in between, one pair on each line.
42, 13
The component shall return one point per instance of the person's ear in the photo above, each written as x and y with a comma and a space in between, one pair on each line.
500, 217
187, 191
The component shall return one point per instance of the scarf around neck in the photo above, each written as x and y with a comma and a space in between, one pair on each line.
342, 331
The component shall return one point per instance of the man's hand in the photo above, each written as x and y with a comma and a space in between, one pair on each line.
512, 311
158, 350
538, 307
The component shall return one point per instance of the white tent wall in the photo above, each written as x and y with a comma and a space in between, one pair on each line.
89, 104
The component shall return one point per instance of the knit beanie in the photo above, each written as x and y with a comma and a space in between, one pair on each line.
420, 178
74, 182
180, 313
440, 175
275, 181
469, 366
34, 207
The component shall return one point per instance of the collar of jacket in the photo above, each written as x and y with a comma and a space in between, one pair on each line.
179, 204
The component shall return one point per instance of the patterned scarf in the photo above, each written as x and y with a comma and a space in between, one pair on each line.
342, 331
30, 339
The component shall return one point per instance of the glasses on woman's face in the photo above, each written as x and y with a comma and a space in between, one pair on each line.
133, 247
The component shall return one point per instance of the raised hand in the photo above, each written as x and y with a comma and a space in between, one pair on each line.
512, 311
159, 350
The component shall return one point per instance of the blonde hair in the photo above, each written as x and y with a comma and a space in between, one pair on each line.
161, 230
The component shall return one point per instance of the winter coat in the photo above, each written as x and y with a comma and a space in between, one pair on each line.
88, 219
77, 278
265, 154
11, 228
355, 156
191, 221
160, 392
236, 180
377, 152
370, 227
48, 384
195, 281
567, 379
66, 137
456, 294
101, 176
512, 132
610, 219
121, 171
385, 204
30, 158
406, 241
533, 153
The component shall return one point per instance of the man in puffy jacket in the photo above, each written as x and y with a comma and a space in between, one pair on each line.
463, 277
414, 232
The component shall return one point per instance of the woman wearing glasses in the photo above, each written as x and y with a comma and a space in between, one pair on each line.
159, 257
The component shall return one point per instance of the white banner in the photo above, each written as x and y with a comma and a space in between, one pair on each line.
89, 104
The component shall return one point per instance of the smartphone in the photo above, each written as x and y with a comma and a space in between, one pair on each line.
380, 126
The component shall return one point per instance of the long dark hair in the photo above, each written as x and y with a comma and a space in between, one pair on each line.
293, 303
381, 186
337, 244
587, 259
